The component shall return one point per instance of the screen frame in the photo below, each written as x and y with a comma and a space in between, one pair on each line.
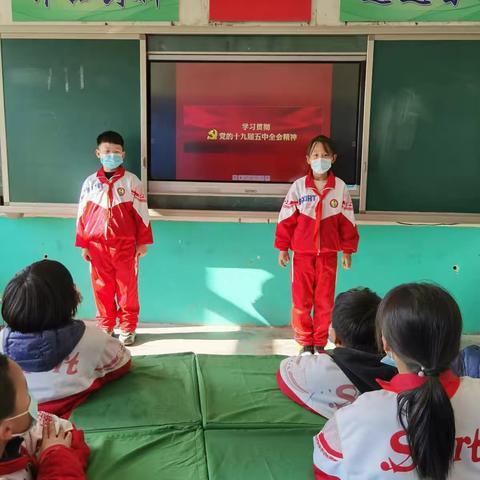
249, 189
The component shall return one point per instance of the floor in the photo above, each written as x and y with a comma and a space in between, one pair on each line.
223, 340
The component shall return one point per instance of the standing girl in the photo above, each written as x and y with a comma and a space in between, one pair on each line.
315, 222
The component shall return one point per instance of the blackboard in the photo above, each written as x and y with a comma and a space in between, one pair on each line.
59, 95
425, 124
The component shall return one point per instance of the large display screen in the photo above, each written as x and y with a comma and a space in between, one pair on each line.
250, 121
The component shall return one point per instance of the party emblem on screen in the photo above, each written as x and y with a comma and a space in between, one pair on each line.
121, 191
212, 134
334, 203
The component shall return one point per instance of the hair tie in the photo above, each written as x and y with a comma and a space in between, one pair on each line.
429, 372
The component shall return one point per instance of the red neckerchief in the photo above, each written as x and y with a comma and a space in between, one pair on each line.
409, 381
118, 174
330, 185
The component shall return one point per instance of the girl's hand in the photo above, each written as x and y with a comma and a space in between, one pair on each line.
283, 259
346, 261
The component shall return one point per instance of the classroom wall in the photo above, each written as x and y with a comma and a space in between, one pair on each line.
221, 273
226, 273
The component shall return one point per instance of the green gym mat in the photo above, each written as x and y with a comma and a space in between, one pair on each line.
147, 454
240, 391
260, 454
159, 390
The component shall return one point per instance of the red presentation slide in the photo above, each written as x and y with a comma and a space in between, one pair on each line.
249, 121
260, 10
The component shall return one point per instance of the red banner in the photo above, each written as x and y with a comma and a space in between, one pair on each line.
260, 10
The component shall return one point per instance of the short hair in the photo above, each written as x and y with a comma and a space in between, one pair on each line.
353, 319
325, 141
7, 398
40, 297
110, 137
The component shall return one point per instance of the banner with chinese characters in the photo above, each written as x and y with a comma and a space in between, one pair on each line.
95, 10
409, 10
253, 124
260, 10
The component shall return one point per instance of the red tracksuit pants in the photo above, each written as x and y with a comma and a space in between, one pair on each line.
313, 287
114, 269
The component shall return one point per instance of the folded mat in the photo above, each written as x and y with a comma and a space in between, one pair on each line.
147, 454
260, 454
159, 390
241, 391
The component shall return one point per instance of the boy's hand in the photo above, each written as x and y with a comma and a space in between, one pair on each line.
50, 438
283, 259
86, 255
141, 250
346, 261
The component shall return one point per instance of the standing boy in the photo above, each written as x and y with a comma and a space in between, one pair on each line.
113, 230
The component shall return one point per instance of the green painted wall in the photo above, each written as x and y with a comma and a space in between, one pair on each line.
212, 273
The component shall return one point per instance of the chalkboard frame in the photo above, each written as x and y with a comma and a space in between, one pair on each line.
365, 216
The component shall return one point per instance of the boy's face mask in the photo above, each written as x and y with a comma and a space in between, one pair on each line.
111, 161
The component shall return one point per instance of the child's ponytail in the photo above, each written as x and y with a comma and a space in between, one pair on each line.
422, 325
426, 414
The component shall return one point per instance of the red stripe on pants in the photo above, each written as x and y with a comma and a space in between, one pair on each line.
313, 287
114, 282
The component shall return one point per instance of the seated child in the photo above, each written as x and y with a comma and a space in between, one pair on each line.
64, 360
326, 382
47, 447
424, 423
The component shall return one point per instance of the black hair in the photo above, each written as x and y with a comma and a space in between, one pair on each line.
325, 141
7, 398
110, 137
422, 324
353, 319
40, 297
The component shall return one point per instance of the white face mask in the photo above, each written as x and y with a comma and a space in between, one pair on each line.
321, 165
32, 411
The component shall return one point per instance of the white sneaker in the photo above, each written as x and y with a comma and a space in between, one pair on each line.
127, 338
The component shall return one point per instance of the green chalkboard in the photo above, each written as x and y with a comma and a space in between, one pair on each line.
59, 95
425, 127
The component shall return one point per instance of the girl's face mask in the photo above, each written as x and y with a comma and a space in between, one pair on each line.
321, 165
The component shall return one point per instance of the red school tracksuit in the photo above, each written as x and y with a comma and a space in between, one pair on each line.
112, 221
20, 459
315, 226
365, 440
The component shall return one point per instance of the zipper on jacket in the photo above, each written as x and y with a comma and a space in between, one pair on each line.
109, 207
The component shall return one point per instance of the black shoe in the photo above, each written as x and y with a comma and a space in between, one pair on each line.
306, 350
319, 349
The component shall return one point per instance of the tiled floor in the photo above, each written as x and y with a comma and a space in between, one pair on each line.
223, 340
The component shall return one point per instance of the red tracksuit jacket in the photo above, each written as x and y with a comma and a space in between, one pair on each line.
314, 222
113, 210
